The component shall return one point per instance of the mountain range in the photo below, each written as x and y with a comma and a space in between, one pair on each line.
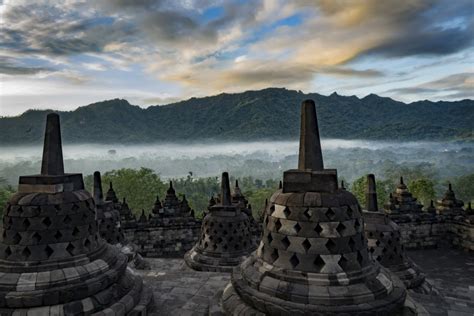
268, 114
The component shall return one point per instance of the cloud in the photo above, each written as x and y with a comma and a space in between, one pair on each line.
10, 67
455, 86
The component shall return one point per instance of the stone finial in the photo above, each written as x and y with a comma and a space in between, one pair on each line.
310, 155
401, 181
236, 183
225, 190
342, 185
171, 189
469, 209
52, 163
450, 187
371, 194
97, 192
280, 185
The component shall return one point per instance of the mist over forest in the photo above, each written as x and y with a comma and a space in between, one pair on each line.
261, 160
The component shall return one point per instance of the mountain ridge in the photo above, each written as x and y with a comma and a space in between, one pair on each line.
268, 114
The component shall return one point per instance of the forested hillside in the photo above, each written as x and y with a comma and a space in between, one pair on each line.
253, 115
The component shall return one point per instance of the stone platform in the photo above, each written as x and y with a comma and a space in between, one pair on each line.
179, 290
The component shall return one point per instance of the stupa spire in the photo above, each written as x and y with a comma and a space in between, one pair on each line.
225, 190
310, 155
52, 163
97, 192
371, 194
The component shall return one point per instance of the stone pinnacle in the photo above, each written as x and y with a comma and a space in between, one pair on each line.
52, 163
310, 156
225, 189
371, 194
97, 192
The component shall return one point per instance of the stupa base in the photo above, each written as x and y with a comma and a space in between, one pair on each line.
283, 297
224, 262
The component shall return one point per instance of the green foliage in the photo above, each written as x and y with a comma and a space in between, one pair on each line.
140, 187
464, 188
266, 114
423, 189
6, 191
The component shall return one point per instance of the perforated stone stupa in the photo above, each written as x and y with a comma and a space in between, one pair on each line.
52, 259
449, 205
383, 236
402, 201
225, 238
239, 199
107, 215
313, 257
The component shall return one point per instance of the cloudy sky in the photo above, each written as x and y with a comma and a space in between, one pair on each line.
63, 54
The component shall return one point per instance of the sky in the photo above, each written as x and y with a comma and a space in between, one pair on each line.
65, 54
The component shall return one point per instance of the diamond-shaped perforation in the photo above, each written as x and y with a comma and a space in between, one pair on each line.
75, 232
26, 253
47, 222
342, 262
297, 228
349, 212
272, 209
269, 238
26, 224
351, 244
357, 225
330, 214
8, 251
318, 229
318, 263
360, 258
67, 219
70, 248
294, 261
285, 242
277, 224
306, 245
341, 228
274, 255
287, 212
16, 238
36, 237
49, 251
307, 213
331, 245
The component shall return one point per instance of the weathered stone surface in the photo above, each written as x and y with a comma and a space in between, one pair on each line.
226, 237
317, 242
53, 260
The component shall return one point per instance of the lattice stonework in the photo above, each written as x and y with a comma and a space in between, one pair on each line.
306, 238
40, 231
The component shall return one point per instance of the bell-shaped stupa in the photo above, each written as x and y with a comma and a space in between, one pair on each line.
449, 205
52, 259
107, 215
402, 201
226, 237
384, 241
313, 258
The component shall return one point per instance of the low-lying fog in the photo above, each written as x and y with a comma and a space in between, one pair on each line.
352, 158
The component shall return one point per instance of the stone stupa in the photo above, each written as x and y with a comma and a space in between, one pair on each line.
107, 215
384, 241
402, 201
226, 238
313, 258
449, 205
52, 259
